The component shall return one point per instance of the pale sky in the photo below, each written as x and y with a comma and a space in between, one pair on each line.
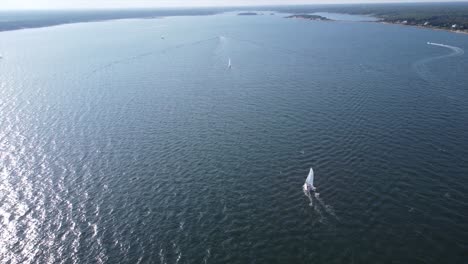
66, 4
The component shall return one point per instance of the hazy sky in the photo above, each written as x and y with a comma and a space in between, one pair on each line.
60, 4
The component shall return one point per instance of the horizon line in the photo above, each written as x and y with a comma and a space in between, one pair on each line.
235, 6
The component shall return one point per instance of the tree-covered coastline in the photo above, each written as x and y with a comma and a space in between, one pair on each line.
447, 16
308, 17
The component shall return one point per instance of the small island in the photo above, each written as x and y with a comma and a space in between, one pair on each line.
309, 17
247, 14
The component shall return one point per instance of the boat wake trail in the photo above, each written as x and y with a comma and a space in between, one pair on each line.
456, 50
328, 208
325, 211
149, 53
421, 66
307, 193
317, 208
222, 52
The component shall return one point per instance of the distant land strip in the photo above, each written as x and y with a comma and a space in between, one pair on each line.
440, 16
309, 17
21, 19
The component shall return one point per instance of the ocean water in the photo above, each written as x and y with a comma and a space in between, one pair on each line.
132, 141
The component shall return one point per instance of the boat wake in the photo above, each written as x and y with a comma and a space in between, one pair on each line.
323, 210
456, 50
328, 208
421, 66
222, 51
150, 53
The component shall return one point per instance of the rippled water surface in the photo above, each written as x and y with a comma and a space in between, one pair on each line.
132, 141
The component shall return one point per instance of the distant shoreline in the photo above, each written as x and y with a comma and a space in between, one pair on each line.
248, 14
21, 20
449, 16
380, 21
422, 27
77, 22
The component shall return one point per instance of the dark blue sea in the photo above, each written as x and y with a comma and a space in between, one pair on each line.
133, 141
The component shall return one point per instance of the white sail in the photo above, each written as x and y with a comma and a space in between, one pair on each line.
229, 63
310, 179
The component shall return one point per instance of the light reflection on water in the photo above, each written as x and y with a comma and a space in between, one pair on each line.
154, 150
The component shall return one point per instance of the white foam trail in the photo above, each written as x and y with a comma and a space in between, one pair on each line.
207, 256
317, 208
328, 208
307, 193
420, 66
162, 259
222, 51
456, 50
320, 204
148, 53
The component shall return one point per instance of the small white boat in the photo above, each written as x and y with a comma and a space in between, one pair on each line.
229, 63
309, 183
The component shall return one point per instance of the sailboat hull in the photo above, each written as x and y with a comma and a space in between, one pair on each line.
308, 188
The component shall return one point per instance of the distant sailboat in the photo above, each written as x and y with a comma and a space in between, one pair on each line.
309, 183
229, 64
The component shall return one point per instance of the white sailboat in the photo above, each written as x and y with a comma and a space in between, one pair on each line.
309, 183
229, 63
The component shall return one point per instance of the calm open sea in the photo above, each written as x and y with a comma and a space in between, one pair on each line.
132, 141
